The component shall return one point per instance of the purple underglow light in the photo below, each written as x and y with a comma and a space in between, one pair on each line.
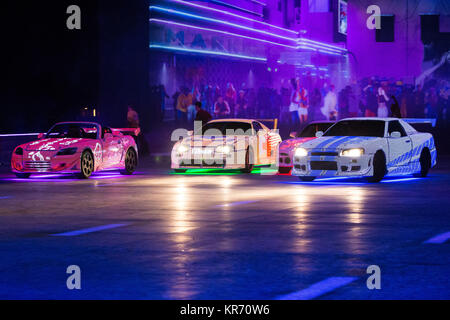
157, 46
235, 15
220, 31
220, 21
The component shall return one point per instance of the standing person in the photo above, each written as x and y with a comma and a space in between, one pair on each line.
133, 122
241, 105
304, 104
202, 115
343, 102
221, 108
371, 101
329, 105
132, 118
382, 103
184, 101
353, 103
295, 105
395, 108
191, 110
230, 97
315, 103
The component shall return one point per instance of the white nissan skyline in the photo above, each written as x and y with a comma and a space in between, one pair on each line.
227, 144
366, 147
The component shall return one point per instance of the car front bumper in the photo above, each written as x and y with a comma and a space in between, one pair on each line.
333, 166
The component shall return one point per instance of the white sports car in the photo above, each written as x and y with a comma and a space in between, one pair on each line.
366, 147
227, 144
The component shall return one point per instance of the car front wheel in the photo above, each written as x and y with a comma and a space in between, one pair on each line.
87, 165
379, 167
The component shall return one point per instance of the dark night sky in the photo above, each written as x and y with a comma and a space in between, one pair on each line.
51, 72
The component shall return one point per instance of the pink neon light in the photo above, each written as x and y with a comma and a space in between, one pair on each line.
234, 15
220, 21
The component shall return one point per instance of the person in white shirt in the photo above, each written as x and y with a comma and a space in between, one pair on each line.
383, 111
330, 103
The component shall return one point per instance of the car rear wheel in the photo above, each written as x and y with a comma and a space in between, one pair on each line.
307, 179
249, 163
23, 175
425, 163
379, 167
131, 162
87, 165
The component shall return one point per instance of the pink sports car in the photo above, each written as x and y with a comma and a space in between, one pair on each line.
287, 147
77, 147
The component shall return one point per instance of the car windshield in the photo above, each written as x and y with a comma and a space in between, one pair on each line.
357, 128
311, 130
73, 130
233, 128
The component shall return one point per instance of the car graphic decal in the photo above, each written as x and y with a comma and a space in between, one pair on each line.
414, 154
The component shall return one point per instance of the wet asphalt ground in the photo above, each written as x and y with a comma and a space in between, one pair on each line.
224, 235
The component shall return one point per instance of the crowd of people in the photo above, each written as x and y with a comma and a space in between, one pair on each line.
296, 104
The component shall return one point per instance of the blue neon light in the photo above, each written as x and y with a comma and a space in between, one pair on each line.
235, 15
181, 13
220, 31
189, 50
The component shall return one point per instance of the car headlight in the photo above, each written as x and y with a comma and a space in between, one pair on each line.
301, 152
352, 152
224, 149
182, 149
67, 152
19, 152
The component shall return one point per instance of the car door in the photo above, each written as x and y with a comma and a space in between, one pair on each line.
262, 140
112, 149
399, 147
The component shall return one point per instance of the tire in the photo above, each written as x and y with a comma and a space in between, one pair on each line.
249, 163
284, 170
22, 175
379, 167
180, 170
307, 179
425, 163
86, 164
131, 162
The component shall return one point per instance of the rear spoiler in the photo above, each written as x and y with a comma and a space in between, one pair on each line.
128, 131
421, 121
275, 122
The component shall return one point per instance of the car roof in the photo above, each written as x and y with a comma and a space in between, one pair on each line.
78, 122
233, 120
369, 119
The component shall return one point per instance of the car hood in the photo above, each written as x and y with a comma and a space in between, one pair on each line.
339, 143
52, 144
205, 141
289, 145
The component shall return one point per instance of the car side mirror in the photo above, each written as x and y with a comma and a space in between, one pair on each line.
319, 134
41, 136
396, 135
293, 134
